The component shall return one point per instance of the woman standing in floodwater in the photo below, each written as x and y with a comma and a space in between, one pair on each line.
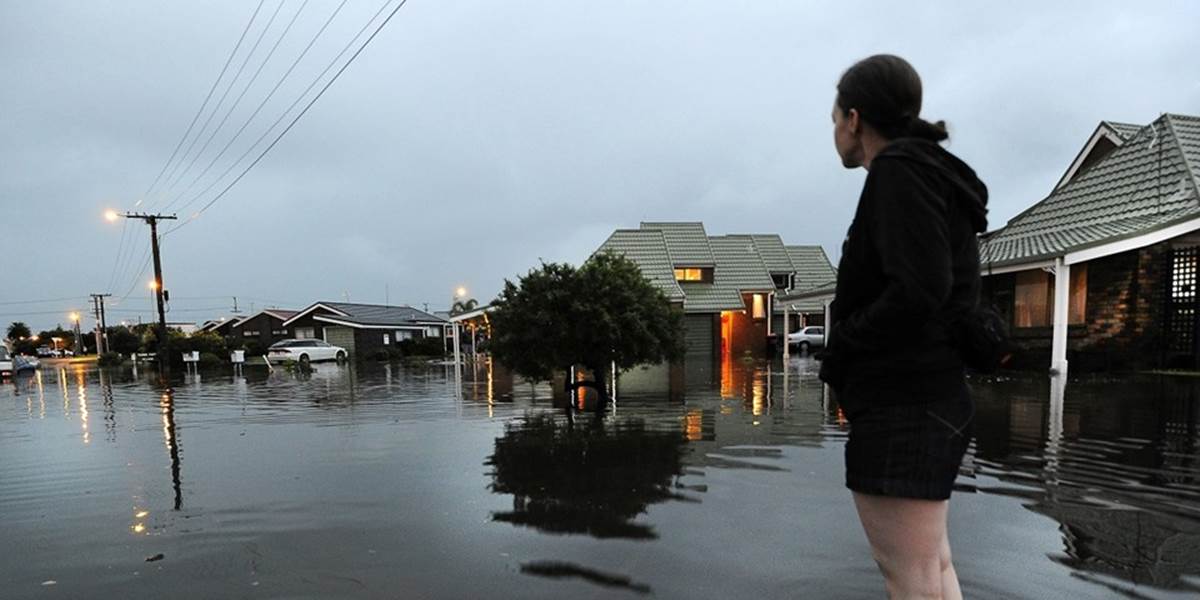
909, 271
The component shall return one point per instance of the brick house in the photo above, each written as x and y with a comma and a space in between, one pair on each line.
1103, 272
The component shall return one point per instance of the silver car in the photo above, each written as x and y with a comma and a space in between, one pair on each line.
807, 338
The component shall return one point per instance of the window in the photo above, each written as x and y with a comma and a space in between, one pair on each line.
1033, 303
250, 333
303, 333
689, 274
386, 339
760, 306
278, 332
404, 335
433, 332
782, 281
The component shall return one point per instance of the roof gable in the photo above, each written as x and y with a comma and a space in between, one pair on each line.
1146, 183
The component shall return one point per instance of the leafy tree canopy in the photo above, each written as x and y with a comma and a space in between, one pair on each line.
603, 312
18, 330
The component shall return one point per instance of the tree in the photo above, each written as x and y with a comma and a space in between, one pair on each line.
602, 313
18, 330
463, 306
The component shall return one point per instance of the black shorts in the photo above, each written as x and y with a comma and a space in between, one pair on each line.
907, 439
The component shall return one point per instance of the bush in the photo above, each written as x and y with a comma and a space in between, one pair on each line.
110, 359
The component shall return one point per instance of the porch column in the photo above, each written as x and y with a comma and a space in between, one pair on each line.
786, 345
1062, 288
828, 328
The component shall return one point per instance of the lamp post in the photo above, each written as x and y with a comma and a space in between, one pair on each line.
78, 342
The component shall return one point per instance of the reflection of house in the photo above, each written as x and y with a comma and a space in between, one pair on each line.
1105, 267
725, 284
264, 327
363, 328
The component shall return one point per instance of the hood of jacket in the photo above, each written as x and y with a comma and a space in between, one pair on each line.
938, 162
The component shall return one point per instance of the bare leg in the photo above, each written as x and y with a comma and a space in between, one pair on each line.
909, 542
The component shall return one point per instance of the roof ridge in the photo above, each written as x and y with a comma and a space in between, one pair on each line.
1187, 165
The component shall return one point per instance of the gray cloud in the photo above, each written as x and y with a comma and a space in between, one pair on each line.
473, 138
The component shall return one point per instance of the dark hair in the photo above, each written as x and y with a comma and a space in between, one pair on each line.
886, 91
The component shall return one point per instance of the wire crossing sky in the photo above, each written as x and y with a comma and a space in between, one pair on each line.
472, 138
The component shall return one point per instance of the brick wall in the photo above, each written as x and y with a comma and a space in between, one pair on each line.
1122, 328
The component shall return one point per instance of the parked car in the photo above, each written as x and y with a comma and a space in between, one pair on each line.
303, 351
46, 352
6, 363
807, 338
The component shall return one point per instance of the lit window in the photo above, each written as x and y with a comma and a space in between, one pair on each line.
386, 339
760, 307
689, 274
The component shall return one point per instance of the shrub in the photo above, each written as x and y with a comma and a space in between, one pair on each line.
109, 359
430, 346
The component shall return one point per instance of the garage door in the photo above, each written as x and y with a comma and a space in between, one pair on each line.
341, 336
699, 334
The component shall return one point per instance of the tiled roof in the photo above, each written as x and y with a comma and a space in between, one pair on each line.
647, 248
379, 314
739, 265
688, 243
774, 254
813, 268
710, 298
281, 314
1150, 181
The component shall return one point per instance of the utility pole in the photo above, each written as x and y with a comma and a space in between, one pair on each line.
101, 326
159, 292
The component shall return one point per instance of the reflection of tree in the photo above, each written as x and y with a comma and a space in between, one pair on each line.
590, 477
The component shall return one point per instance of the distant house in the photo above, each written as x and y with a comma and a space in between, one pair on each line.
725, 285
264, 327
222, 326
813, 272
364, 328
1103, 271
183, 326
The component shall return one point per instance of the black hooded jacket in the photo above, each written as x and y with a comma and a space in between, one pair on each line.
909, 268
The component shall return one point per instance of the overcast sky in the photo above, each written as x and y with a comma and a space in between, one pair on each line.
473, 138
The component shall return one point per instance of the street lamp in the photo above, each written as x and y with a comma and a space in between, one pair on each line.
111, 215
78, 342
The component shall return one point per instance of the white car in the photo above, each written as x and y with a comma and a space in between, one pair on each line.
304, 351
6, 363
807, 338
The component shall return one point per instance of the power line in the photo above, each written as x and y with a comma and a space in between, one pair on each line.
301, 114
268, 97
221, 101
15, 302
203, 105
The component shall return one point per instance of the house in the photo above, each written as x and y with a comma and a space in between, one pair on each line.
364, 329
1103, 271
725, 285
222, 326
263, 328
813, 272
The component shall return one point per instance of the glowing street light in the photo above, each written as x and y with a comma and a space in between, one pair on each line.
111, 215
461, 292
153, 284
74, 316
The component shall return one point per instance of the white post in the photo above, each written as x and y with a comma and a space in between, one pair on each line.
457, 347
786, 345
1062, 288
828, 328
770, 312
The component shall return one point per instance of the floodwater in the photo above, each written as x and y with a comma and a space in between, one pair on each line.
383, 481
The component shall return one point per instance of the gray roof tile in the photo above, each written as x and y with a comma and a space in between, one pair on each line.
647, 248
688, 242
813, 268
1148, 182
379, 314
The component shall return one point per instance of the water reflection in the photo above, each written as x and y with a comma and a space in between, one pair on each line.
171, 439
592, 476
1113, 462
